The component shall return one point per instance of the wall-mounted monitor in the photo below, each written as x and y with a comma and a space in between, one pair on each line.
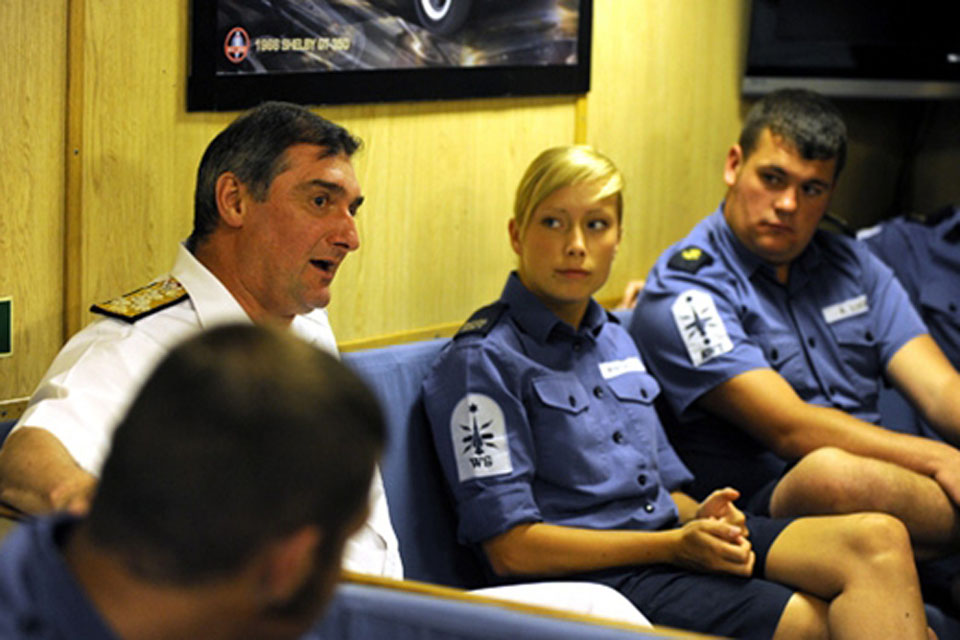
355, 51
863, 49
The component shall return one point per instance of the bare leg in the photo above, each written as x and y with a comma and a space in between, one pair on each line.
804, 618
832, 481
861, 565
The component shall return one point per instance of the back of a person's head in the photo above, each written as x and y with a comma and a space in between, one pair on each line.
806, 120
253, 147
240, 436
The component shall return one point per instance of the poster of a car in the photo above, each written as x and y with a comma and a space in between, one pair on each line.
342, 51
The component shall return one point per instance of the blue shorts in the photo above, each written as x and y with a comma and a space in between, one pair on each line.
711, 603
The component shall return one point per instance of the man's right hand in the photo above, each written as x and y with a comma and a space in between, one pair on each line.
74, 494
711, 545
38, 474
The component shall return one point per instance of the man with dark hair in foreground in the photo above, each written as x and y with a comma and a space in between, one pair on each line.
223, 508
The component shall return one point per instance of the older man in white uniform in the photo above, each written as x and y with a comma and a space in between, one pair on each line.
274, 217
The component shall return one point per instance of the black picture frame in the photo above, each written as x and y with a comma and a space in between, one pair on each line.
209, 91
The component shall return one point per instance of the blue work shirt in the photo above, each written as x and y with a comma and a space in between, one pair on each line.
39, 597
711, 310
535, 421
926, 260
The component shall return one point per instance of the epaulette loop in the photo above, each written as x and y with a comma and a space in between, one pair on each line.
690, 259
483, 320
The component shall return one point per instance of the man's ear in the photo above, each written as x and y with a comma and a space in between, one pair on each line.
515, 236
288, 563
732, 165
229, 192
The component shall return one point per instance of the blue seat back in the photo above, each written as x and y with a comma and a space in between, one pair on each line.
5, 427
361, 612
420, 504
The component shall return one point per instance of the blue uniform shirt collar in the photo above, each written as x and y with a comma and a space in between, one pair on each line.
539, 322
728, 240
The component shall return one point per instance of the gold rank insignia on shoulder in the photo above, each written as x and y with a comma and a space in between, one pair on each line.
144, 301
690, 259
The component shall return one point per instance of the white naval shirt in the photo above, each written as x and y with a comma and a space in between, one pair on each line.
86, 391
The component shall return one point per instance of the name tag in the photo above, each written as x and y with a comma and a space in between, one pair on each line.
846, 309
616, 368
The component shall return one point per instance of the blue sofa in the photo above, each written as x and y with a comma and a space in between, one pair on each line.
367, 610
420, 505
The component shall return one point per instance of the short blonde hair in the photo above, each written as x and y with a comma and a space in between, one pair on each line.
561, 167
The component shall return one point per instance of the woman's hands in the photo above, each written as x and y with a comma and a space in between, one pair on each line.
717, 538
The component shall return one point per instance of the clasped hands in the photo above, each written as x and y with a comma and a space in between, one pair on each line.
717, 538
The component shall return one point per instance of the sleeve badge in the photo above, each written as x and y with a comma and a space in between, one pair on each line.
700, 326
478, 433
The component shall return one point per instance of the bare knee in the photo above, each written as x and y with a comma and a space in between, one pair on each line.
830, 481
877, 541
804, 617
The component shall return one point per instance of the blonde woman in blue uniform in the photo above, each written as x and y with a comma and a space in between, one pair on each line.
545, 421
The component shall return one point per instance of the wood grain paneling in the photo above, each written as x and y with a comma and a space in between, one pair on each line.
33, 86
664, 106
439, 177
439, 181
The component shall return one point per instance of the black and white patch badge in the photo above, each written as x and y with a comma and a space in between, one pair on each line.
478, 433
700, 326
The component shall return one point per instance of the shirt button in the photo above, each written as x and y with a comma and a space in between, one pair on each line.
572, 401
774, 354
648, 508
642, 479
811, 342
953, 307
869, 336
598, 392
618, 437
643, 393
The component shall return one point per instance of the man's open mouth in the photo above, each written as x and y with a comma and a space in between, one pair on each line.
325, 265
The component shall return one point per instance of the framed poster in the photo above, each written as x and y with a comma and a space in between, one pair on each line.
354, 51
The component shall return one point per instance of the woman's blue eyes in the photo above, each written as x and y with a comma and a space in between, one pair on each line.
593, 225
320, 201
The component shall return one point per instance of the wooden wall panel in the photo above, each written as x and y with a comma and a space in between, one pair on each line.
439, 182
438, 179
33, 86
438, 176
139, 148
664, 106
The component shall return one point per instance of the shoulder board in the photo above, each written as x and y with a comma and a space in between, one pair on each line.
690, 259
482, 320
931, 219
144, 301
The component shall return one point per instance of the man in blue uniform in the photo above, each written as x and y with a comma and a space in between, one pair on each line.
224, 505
771, 338
924, 253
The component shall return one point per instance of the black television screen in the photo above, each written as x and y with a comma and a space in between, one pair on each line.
866, 49
354, 51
